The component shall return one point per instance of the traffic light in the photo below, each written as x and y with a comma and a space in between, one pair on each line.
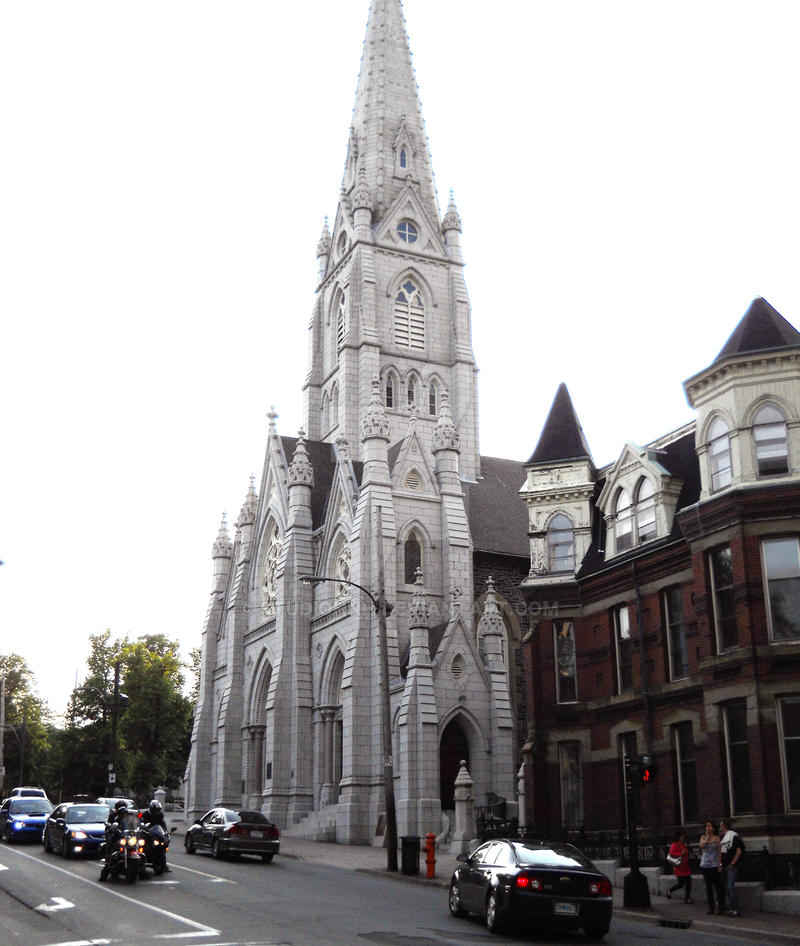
646, 770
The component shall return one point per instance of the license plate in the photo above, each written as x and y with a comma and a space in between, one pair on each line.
569, 909
256, 834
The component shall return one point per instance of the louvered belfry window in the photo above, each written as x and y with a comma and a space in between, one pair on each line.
409, 317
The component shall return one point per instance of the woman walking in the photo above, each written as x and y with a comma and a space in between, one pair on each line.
711, 867
679, 858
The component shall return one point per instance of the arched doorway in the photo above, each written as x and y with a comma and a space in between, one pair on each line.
453, 747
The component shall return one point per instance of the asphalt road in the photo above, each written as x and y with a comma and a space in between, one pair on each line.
47, 901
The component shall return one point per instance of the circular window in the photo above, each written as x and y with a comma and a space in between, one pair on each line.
407, 231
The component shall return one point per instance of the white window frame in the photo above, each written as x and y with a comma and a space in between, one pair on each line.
409, 316
736, 808
622, 632
775, 540
678, 623
555, 541
570, 781
768, 445
680, 772
715, 592
783, 738
719, 450
566, 658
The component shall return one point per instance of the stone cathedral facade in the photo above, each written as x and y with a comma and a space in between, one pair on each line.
288, 719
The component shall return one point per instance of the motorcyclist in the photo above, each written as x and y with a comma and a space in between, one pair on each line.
114, 826
154, 815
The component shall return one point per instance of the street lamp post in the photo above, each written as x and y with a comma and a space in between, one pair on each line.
383, 608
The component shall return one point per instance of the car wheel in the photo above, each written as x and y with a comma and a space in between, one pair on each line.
454, 901
64, 848
267, 857
188, 843
7, 835
215, 851
595, 932
494, 921
48, 847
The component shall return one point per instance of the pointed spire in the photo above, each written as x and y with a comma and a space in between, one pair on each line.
762, 328
452, 220
247, 516
324, 245
300, 471
362, 198
445, 435
491, 629
342, 449
223, 547
387, 102
375, 423
273, 416
562, 436
418, 611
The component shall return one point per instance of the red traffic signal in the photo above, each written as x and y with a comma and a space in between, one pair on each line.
646, 771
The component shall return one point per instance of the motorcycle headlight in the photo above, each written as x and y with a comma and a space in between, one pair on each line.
131, 842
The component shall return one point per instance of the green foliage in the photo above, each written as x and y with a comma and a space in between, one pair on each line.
25, 742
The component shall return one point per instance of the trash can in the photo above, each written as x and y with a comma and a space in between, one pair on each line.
409, 854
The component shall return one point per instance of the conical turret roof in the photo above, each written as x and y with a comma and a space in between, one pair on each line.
562, 436
762, 328
387, 115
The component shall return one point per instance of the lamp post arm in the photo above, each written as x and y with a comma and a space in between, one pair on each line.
316, 579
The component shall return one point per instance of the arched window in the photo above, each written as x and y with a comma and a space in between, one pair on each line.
409, 317
326, 413
335, 407
412, 392
341, 321
623, 529
389, 391
342, 572
719, 452
432, 400
645, 511
271, 556
560, 544
413, 558
403, 158
772, 447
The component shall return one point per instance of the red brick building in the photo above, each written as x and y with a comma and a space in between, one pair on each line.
665, 599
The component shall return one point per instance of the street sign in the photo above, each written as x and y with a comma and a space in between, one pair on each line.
112, 777
387, 761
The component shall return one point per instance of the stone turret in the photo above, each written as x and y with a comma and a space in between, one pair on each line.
221, 553
451, 229
323, 251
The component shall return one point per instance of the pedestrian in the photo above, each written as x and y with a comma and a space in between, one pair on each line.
731, 850
679, 858
711, 867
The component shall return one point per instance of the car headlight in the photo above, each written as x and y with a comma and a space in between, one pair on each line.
19, 825
79, 835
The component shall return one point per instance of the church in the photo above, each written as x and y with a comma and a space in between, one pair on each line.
382, 491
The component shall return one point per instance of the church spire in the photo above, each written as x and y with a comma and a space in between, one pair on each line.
387, 139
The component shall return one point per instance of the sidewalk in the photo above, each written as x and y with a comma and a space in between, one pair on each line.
759, 927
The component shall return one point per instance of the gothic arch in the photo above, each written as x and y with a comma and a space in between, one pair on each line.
390, 388
709, 422
425, 545
784, 407
330, 669
394, 285
433, 394
458, 740
412, 376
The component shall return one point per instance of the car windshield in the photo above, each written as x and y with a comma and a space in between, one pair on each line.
252, 817
86, 814
30, 806
559, 856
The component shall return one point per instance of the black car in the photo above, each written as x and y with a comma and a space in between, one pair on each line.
75, 828
223, 831
22, 818
533, 884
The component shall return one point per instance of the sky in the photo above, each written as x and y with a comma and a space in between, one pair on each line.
626, 173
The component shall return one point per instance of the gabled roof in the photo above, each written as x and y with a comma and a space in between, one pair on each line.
323, 462
498, 518
762, 328
562, 436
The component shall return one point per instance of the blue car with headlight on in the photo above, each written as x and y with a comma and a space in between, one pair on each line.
23, 819
76, 828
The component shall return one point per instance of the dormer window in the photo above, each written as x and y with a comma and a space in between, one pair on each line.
771, 444
623, 528
719, 454
560, 544
645, 511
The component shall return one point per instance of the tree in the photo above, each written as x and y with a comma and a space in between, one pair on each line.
25, 742
155, 728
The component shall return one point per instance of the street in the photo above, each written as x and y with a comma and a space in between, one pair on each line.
47, 901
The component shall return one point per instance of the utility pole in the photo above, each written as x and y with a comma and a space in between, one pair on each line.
2, 729
112, 773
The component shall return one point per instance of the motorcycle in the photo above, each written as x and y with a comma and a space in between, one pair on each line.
124, 852
154, 851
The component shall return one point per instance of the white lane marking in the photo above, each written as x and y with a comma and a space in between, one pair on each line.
58, 903
201, 873
205, 930
3, 866
184, 935
86, 942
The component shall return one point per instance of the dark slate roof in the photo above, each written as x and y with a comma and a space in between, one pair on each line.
562, 437
762, 328
435, 635
323, 462
680, 460
498, 517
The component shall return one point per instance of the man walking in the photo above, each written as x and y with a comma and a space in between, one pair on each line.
731, 850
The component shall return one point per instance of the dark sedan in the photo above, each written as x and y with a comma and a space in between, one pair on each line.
534, 884
22, 819
225, 832
75, 829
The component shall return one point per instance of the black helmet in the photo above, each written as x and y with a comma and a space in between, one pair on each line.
155, 805
122, 809
118, 805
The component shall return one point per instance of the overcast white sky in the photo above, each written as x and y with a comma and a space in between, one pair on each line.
628, 175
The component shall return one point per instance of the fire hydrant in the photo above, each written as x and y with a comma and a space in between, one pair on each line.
430, 855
